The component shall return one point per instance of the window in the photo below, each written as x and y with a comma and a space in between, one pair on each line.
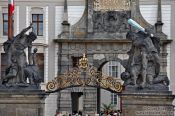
114, 98
113, 69
40, 64
75, 61
37, 20
4, 64
5, 24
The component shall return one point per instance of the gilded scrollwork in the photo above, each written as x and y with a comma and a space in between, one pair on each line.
52, 85
84, 76
93, 79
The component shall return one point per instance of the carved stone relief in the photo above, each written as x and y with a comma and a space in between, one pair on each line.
110, 21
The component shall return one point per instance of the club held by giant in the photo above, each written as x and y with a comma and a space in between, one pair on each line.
137, 26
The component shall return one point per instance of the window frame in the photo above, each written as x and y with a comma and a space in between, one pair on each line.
114, 98
75, 61
6, 21
38, 21
111, 66
40, 64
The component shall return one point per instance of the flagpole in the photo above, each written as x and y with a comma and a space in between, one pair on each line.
10, 22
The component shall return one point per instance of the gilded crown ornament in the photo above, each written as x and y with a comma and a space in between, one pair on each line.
83, 62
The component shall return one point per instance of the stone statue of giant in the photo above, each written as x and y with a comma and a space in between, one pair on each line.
142, 69
18, 70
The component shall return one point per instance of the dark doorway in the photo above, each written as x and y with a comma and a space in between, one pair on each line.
77, 102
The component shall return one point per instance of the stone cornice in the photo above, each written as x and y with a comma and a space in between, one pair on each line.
84, 40
56, 2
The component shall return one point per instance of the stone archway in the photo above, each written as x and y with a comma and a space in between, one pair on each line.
103, 63
84, 76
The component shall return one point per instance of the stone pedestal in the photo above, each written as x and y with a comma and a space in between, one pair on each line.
22, 102
147, 103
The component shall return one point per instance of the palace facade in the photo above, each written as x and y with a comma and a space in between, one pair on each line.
61, 29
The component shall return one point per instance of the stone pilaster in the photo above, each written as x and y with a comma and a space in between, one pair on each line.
65, 23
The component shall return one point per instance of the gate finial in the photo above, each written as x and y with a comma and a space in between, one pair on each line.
83, 62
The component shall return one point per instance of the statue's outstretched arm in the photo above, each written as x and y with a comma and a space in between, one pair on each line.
19, 36
26, 29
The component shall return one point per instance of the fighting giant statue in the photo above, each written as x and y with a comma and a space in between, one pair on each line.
18, 69
142, 69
